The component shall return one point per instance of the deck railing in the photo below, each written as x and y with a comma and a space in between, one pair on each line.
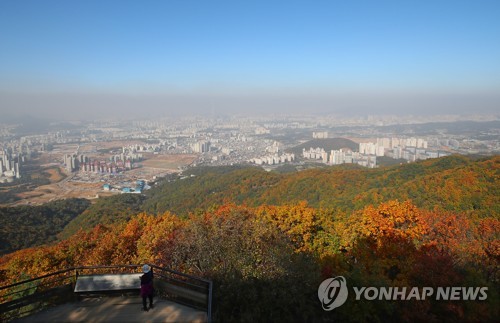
29, 296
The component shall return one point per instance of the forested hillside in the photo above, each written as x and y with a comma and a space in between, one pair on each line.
451, 183
113, 209
268, 261
28, 226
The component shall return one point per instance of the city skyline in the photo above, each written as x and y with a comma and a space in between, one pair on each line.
83, 59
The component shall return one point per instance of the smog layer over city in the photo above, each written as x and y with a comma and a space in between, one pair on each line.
102, 102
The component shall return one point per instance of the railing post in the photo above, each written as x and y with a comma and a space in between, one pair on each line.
209, 310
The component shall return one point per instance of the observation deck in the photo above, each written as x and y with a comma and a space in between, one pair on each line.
106, 294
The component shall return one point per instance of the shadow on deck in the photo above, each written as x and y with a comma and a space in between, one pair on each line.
117, 309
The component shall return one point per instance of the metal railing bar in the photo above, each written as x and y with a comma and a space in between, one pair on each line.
36, 278
42, 284
181, 274
184, 279
106, 267
204, 288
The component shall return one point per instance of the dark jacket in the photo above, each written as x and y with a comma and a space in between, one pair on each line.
147, 284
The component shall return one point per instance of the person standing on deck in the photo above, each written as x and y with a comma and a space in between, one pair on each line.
147, 289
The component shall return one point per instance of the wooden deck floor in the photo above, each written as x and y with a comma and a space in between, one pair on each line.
117, 309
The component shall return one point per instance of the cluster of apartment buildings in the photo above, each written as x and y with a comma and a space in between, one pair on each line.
9, 166
413, 153
151, 148
275, 156
410, 149
341, 156
202, 146
273, 159
320, 134
85, 164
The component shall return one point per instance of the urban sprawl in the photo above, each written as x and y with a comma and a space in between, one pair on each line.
267, 142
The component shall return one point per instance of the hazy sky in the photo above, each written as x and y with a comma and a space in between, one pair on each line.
77, 59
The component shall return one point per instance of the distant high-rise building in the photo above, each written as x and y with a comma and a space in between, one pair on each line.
320, 135
384, 142
324, 157
71, 162
201, 146
18, 173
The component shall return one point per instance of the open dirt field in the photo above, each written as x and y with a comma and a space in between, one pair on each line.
55, 174
168, 162
47, 193
62, 187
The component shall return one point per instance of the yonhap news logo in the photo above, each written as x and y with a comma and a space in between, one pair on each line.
333, 292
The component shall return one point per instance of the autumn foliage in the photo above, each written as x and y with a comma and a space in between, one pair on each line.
267, 262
